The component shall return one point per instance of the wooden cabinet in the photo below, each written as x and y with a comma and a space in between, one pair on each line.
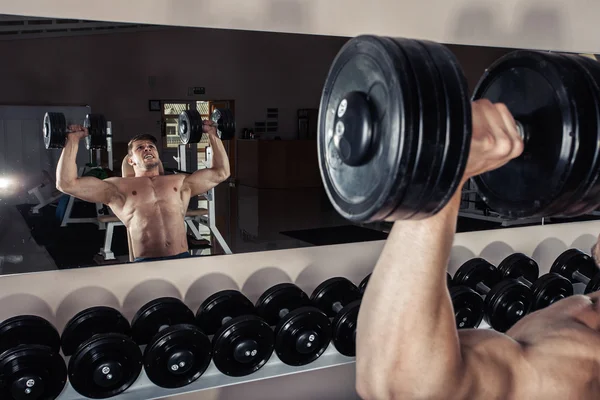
278, 164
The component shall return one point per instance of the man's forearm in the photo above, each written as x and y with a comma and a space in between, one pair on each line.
220, 161
66, 171
406, 326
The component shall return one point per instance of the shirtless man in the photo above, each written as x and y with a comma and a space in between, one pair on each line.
152, 206
408, 346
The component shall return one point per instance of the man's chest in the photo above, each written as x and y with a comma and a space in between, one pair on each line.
151, 190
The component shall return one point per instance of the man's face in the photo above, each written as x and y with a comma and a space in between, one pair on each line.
144, 155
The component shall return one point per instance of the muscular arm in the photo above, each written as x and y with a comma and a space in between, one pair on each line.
408, 346
205, 179
86, 188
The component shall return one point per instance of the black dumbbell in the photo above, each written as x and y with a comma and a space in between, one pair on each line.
505, 301
189, 125
578, 267
30, 364
105, 361
546, 290
55, 131
467, 304
302, 331
243, 342
177, 352
340, 299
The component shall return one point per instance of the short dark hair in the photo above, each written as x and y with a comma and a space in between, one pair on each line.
142, 136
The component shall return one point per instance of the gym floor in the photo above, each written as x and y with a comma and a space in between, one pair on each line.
266, 220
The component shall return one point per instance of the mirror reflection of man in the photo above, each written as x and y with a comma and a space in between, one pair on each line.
152, 206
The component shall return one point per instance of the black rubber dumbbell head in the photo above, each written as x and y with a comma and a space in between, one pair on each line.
302, 332
177, 352
468, 307
104, 361
242, 342
332, 296
30, 364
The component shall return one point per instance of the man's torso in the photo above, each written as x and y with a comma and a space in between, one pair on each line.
153, 210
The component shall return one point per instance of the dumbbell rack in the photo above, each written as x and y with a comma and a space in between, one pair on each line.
194, 279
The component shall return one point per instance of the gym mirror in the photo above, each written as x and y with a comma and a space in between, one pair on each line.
140, 79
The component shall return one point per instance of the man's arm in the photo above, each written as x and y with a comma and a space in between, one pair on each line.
203, 180
86, 188
408, 345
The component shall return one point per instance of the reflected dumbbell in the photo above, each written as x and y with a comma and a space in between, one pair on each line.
302, 332
177, 352
105, 361
242, 342
578, 267
505, 301
340, 299
546, 290
30, 364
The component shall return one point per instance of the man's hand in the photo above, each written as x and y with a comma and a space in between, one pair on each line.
209, 127
77, 132
495, 140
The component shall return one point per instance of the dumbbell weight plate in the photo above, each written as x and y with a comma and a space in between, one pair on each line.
363, 284
302, 336
430, 125
344, 329
225, 123
220, 307
29, 330
31, 372
585, 169
283, 296
177, 356
189, 127
96, 126
538, 90
590, 201
302, 332
574, 260
369, 161
90, 322
507, 303
159, 314
105, 365
54, 130
468, 307
548, 289
477, 270
334, 290
242, 345
519, 265
593, 285
373, 187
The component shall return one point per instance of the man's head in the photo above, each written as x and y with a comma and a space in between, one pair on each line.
143, 154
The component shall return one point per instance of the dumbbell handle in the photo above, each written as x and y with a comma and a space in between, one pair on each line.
524, 281
521, 130
337, 306
578, 276
482, 288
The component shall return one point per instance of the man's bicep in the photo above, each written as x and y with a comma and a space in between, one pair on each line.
201, 181
95, 190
